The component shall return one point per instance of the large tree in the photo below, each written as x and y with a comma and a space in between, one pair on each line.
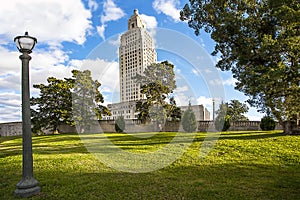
259, 41
54, 105
87, 100
157, 84
236, 111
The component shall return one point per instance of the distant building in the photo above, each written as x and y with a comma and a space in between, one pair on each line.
136, 52
201, 113
126, 109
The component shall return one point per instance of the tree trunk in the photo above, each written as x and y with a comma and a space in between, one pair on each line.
290, 127
287, 127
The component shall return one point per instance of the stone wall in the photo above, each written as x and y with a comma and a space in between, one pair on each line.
108, 126
10, 129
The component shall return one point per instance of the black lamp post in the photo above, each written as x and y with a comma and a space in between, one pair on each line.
28, 186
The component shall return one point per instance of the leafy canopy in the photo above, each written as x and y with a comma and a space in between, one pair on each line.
236, 111
189, 123
259, 41
54, 106
157, 84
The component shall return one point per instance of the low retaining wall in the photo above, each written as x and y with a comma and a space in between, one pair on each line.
108, 126
10, 129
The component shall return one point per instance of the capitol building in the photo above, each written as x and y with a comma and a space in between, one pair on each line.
136, 52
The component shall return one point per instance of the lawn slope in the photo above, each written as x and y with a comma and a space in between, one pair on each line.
242, 165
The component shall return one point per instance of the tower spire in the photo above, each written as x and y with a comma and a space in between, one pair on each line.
135, 21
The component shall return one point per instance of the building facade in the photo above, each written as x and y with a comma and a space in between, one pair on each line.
136, 52
201, 113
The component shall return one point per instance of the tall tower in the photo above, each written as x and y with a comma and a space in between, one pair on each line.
136, 52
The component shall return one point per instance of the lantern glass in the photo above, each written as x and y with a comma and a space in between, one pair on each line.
25, 43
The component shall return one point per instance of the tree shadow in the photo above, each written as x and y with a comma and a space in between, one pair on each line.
250, 135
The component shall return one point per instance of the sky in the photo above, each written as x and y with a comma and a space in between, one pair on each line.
84, 34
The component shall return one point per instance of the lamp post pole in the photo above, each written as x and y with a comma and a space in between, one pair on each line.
213, 101
28, 186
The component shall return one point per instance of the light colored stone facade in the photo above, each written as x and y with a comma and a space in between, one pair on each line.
10, 129
136, 52
201, 113
126, 109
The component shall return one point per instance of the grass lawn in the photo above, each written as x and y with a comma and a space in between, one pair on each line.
242, 165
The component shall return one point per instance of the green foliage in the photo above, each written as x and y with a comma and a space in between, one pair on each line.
142, 107
87, 99
259, 42
222, 123
120, 124
235, 111
189, 123
157, 84
267, 123
173, 112
54, 105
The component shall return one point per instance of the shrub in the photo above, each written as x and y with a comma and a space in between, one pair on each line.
120, 124
267, 123
222, 123
189, 123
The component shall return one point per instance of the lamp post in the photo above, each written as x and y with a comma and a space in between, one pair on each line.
28, 186
213, 101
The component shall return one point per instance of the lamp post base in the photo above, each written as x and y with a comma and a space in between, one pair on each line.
27, 188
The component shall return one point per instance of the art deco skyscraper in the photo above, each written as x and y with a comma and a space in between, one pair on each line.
136, 52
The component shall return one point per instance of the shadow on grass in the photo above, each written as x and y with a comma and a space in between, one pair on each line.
80, 176
205, 181
250, 135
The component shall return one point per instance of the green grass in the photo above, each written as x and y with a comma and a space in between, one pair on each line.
242, 165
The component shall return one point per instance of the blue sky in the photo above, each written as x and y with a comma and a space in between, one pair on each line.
84, 34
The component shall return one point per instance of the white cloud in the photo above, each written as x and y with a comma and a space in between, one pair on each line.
110, 13
150, 21
107, 73
228, 82
101, 30
205, 101
10, 107
181, 89
10, 114
254, 117
10, 99
47, 20
168, 7
196, 72
92, 5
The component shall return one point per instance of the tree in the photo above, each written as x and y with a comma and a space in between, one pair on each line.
120, 124
259, 42
87, 99
54, 105
235, 111
157, 84
189, 123
267, 123
222, 121
173, 111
